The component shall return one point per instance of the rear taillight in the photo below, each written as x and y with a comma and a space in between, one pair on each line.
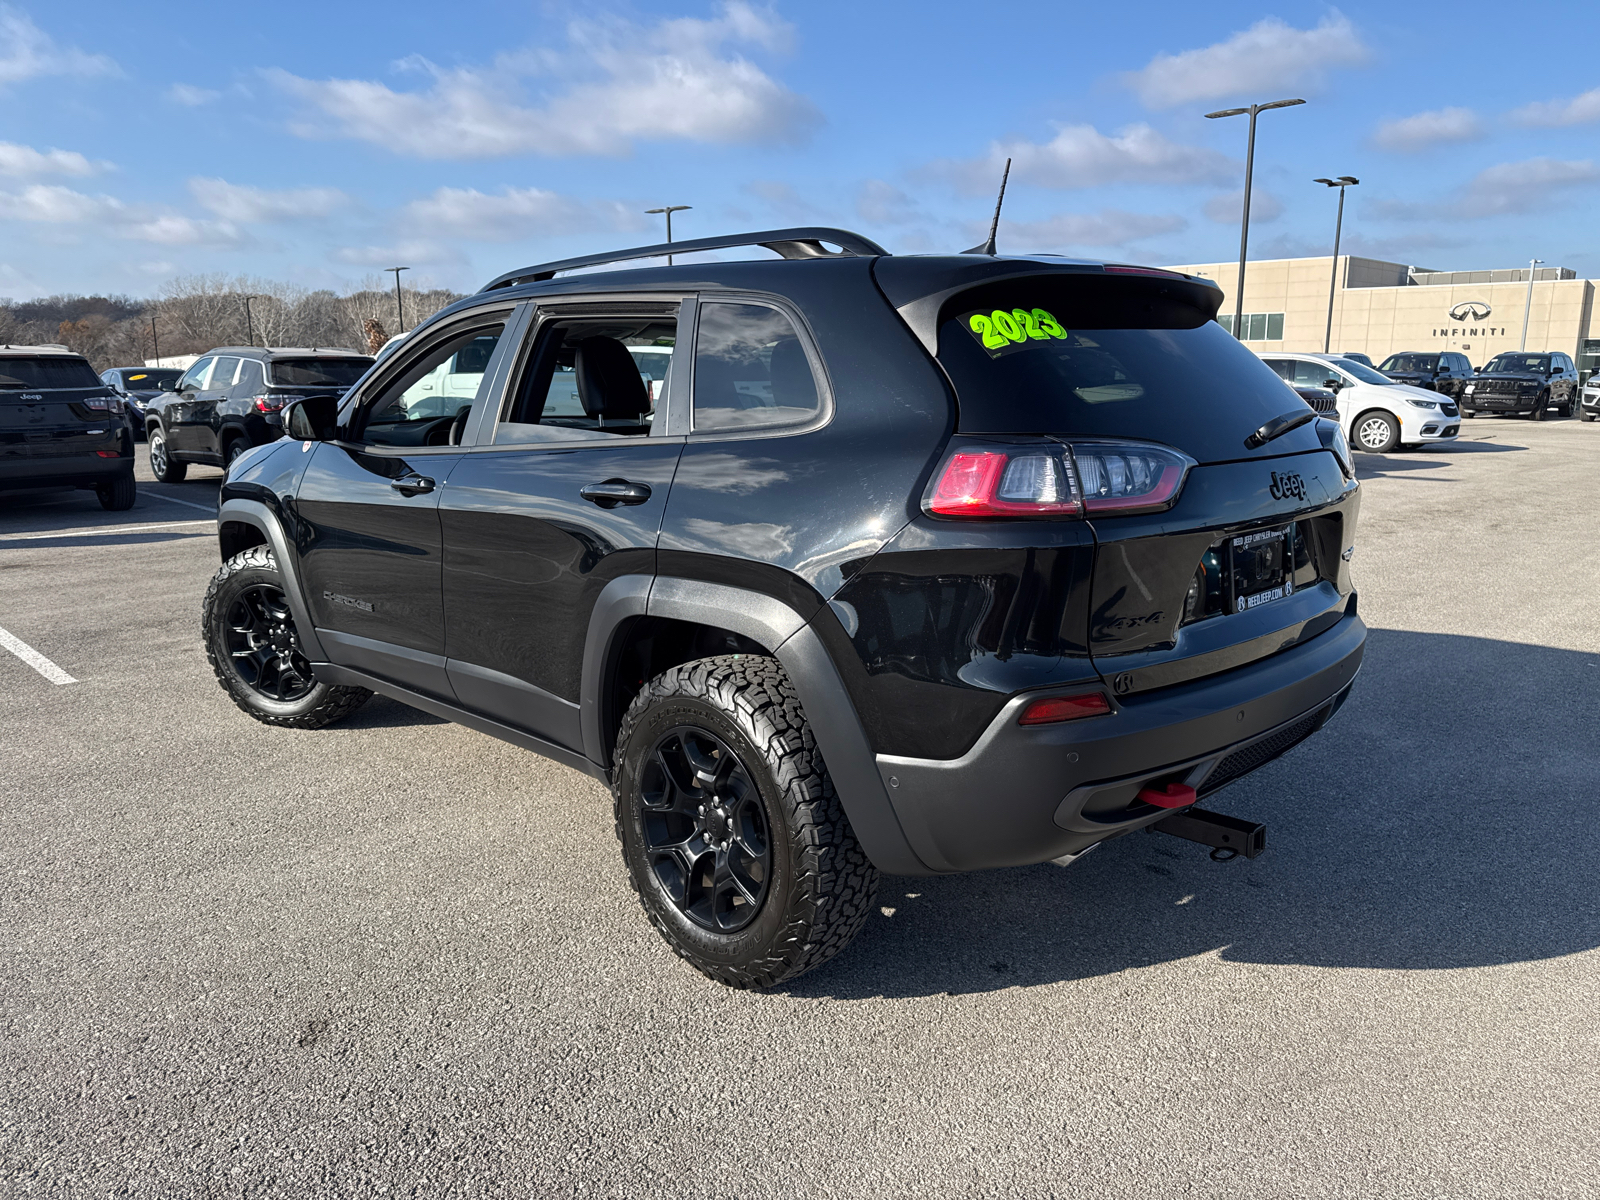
270, 404
105, 404
1054, 479
1053, 709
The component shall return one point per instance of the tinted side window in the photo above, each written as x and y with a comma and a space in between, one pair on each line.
750, 369
195, 375
222, 374
415, 408
1308, 373
1283, 366
251, 378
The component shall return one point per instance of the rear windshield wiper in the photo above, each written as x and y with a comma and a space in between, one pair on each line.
1277, 427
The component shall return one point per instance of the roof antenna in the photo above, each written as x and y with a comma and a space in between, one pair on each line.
994, 225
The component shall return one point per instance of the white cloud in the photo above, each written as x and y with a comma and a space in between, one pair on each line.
1226, 208
1580, 110
1426, 129
1081, 156
1269, 57
884, 204
28, 52
1526, 186
677, 80
191, 96
411, 253
26, 162
1108, 227
513, 214
50, 204
245, 204
1532, 185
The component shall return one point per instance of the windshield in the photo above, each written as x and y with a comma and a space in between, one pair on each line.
1518, 364
149, 381
341, 372
1087, 356
1411, 362
1360, 373
47, 371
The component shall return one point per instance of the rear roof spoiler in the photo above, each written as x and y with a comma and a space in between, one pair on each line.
809, 241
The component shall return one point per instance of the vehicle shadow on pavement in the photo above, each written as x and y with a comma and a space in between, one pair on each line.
109, 538
383, 713
1444, 818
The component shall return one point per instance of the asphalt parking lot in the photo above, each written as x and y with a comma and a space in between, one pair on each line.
399, 957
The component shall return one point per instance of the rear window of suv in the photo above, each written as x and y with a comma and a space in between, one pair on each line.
1091, 356
47, 371
319, 372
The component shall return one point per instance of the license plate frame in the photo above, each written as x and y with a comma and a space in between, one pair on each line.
1260, 567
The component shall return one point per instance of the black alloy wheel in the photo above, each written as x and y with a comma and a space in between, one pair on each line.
264, 647
705, 830
247, 624
731, 830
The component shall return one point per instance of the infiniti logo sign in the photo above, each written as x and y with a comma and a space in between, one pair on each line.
1470, 310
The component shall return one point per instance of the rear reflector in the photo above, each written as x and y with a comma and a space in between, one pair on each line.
1043, 478
1064, 708
109, 453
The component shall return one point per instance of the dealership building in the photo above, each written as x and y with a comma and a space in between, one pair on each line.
1383, 307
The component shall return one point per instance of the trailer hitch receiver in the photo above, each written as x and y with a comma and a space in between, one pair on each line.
1228, 836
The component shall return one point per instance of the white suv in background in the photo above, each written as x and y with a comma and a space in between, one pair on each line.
1378, 414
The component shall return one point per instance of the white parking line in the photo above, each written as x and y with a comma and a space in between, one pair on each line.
175, 500
34, 659
108, 531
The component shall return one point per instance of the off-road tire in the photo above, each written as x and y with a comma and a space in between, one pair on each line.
323, 705
163, 466
821, 886
118, 493
1365, 438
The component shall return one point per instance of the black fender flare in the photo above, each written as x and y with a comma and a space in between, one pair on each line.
258, 515
787, 636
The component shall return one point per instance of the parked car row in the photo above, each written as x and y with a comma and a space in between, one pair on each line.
1514, 383
1378, 414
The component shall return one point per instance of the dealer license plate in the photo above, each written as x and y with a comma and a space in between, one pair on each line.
1259, 567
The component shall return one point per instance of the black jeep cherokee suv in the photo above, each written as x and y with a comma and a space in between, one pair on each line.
232, 399
917, 565
61, 426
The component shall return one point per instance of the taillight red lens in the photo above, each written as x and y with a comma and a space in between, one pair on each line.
268, 404
1053, 709
1051, 479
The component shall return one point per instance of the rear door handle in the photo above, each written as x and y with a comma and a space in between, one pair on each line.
412, 485
614, 492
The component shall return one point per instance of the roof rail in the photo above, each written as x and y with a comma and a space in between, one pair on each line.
803, 242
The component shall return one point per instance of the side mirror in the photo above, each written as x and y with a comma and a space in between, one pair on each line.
167, 385
1333, 385
311, 418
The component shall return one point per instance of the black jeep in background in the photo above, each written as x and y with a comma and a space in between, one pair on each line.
915, 565
60, 426
1521, 383
232, 399
1447, 372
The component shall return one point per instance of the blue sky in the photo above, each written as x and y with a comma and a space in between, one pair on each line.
319, 143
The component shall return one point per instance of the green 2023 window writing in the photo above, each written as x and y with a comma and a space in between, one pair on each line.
1003, 331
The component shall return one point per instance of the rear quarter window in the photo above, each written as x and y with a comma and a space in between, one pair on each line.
1091, 356
319, 372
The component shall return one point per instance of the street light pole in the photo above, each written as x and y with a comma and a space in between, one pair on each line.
1249, 170
249, 325
1527, 309
1341, 183
155, 342
399, 306
669, 210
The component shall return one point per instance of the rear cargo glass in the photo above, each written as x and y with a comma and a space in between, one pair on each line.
319, 372
1097, 356
47, 371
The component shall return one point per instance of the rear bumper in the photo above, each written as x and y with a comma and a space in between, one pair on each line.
77, 470
1028, 794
